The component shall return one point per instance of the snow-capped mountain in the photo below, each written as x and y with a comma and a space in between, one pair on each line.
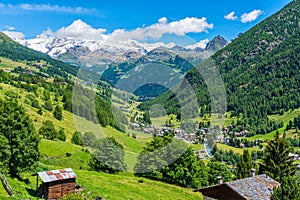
82, 45
87, 52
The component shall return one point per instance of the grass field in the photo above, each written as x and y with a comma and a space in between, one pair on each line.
286, 117
114, 187
108, 186
64, 155
8, 64
234, 149
3, 193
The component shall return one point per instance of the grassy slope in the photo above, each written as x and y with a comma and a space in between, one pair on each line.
57, 154
71, 123
127, 187
7, 64
120, 186
234, 149
3, 194
107, 186
286, 117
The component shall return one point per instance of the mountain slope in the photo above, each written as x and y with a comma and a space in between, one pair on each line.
173, 63
15, 51
260, 70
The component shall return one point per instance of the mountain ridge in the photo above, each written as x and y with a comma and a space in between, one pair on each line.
99, 53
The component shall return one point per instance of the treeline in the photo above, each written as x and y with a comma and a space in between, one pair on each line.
93, 106
295, 123
244, 142
226, 156
295, 142
231, 158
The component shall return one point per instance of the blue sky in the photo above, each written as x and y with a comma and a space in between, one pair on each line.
34, 17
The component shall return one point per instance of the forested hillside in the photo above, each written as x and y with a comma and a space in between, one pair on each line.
260, 70
15, 51
135, 68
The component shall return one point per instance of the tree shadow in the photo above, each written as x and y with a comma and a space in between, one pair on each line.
32, 192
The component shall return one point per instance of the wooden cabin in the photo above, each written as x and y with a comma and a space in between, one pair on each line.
57, 183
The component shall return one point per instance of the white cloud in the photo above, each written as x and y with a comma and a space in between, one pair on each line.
47, 8
156, 31
10, 28
231, 16
163, 20
79, 30
251, 16
18, 36
201, 44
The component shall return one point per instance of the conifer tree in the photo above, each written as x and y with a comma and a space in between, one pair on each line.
289, 189
276, 161
244, 167
18, 137
57, 113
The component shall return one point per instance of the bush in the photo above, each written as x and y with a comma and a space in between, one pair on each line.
47, 130
76, 138
61, 135
57, 113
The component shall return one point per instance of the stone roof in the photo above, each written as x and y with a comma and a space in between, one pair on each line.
256, 187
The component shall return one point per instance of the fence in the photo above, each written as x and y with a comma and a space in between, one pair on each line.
6, 185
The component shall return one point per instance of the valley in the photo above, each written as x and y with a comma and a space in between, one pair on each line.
152, 120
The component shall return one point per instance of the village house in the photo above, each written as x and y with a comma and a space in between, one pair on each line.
135, 126
294, 156
255, 187
57, 183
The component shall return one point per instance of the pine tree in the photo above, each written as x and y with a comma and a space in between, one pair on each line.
244, 167
57, 113
276, 161
289, 189
48, 105
18, 136
89, 139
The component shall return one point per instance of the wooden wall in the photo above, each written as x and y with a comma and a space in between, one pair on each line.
59, 189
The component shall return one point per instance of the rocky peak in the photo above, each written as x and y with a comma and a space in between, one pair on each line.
216, 43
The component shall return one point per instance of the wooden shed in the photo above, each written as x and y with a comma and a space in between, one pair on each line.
57, 183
